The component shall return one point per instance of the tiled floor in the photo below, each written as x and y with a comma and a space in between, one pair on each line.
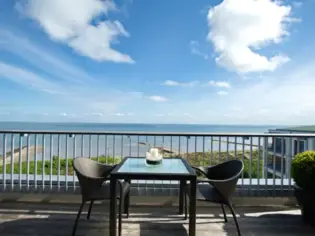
17, 219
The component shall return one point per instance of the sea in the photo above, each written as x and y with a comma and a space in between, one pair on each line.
92, 145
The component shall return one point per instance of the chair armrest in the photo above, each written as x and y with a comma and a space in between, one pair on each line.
200, 170
124, 187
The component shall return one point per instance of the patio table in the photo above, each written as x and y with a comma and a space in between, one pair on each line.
172, 168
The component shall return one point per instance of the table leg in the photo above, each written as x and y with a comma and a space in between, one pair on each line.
113, 207
182, 185
192, 207
127, 202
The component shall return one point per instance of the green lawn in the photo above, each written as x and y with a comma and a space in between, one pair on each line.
196, 159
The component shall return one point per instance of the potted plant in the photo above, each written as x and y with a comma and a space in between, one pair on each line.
303, 174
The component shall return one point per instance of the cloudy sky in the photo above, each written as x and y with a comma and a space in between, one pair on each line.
158, 61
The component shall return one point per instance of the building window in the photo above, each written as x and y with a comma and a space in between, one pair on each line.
277, 145
298, 146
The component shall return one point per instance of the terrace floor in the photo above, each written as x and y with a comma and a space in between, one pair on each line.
52, 219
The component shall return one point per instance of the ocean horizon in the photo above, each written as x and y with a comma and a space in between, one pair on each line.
119, 145
142, 127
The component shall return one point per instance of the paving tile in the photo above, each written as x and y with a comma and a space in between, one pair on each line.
32, 219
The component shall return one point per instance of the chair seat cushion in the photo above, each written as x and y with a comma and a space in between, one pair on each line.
206, 192
103, 192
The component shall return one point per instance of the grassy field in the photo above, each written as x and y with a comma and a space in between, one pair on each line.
196, 159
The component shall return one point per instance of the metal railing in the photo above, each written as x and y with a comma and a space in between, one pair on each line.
41, 161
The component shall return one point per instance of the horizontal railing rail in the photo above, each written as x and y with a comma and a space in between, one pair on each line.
142, 133
37, 160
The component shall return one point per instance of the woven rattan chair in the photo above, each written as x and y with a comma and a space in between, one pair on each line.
219, 185
92, 176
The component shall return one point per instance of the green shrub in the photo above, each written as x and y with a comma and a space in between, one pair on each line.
303, 170
64, 166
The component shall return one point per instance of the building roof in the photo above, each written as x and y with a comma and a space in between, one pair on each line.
304, 129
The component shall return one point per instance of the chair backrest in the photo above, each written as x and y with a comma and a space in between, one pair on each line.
91, 174
224, 176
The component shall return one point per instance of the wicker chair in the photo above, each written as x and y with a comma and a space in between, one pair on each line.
222, 180
92, 176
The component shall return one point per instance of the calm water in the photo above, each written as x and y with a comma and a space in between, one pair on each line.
134, 127
120, 145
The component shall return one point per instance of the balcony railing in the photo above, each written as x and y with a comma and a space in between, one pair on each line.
41, 161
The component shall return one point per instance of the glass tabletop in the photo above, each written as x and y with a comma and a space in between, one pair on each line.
168, 166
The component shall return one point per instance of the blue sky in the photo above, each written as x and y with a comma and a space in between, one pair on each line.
158, 61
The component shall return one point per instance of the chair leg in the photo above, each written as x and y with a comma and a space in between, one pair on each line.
185, 205
77, 219
119, 216
224, 214
90, 209
127, 204
235, 219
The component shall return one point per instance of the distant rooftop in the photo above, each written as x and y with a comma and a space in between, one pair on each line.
304, 129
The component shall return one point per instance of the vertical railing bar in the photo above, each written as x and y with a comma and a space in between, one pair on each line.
243, 156
171, 145
187, 149
51, 161
82, 145
154, 141
179, 145
290, 161
154, 144
43, 163
4, 156
28, 163
114, 147
235, 147
98, 147
298, 145
227, 147
130, 146
122, 147
35, 163
274, 167
20, 162
250, 164
58, 168
74, 156
90, 146
203, 150
211, 150
266, 160
219, 156
138, 147
171, 149
281, 164
258, 167
106, 149
66, 157
196, 151
163, 141
12, 162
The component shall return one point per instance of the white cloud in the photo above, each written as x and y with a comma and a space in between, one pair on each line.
28, 79
21, 46
239, 27
158, 98
194, 47
220, 84
69, 22
222, 93
176, 83
75, 97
